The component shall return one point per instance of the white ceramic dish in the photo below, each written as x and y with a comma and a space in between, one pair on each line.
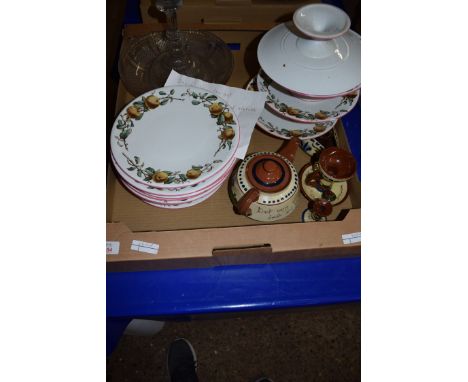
175, 136
285, 129
313, 68
301, 110
175, 194
170, 203
156, 199
321, 21
181, 205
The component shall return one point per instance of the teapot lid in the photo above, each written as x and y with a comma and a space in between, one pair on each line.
274, 176
268, 173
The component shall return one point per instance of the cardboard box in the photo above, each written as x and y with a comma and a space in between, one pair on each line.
210, 233
226, 11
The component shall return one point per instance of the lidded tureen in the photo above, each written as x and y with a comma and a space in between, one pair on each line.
314, 56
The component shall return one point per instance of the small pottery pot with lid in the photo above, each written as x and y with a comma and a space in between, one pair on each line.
265, 185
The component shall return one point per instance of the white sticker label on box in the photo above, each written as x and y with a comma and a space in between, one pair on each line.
350, 238
142, 246
112, 247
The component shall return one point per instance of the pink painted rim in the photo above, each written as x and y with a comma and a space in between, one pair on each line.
178, 205
179, 200
176, 197
166, 202
204, 179
319, 97
265, 129
156, 192
285, 115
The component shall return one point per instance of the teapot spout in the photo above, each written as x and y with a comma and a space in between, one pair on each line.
289, 150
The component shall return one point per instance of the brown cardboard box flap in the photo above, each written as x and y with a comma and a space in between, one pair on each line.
252, 244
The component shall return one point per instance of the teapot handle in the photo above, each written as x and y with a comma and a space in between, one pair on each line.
243, 205
289, 150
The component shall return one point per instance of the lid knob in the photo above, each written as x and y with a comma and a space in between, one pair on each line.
269, 171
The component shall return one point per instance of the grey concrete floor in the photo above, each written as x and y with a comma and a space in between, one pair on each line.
320, 344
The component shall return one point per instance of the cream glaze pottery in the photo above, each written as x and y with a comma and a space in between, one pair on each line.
265, 185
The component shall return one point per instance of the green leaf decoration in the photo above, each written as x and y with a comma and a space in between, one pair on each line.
131, 168
139, 173
172, 91
197, 167
194, 95
217, 161
214, 116
150, 170
229, 144
183, 177
169, 180
125, 133
148, 178
196, 102
220, 119
164, 101
162, 93
138, 103
204, 95
137, 159
211, 98
168, 172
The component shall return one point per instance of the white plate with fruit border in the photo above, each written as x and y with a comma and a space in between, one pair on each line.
175, 193
157, 195
180, 205
175, 136
301, 110
286, 129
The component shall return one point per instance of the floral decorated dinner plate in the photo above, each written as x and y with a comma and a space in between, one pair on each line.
286, 129
181, 205
175, 137
301, 110
171, 194
174, 193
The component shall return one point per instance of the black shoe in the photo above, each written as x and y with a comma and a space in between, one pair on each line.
182, 362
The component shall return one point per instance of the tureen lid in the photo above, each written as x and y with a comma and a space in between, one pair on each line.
314, 56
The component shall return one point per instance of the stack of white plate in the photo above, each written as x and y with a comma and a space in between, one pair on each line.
310, 70
173, 147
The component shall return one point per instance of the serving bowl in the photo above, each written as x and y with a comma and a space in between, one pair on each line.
139, 67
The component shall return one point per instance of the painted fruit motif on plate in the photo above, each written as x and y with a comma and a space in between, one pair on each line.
175, 135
